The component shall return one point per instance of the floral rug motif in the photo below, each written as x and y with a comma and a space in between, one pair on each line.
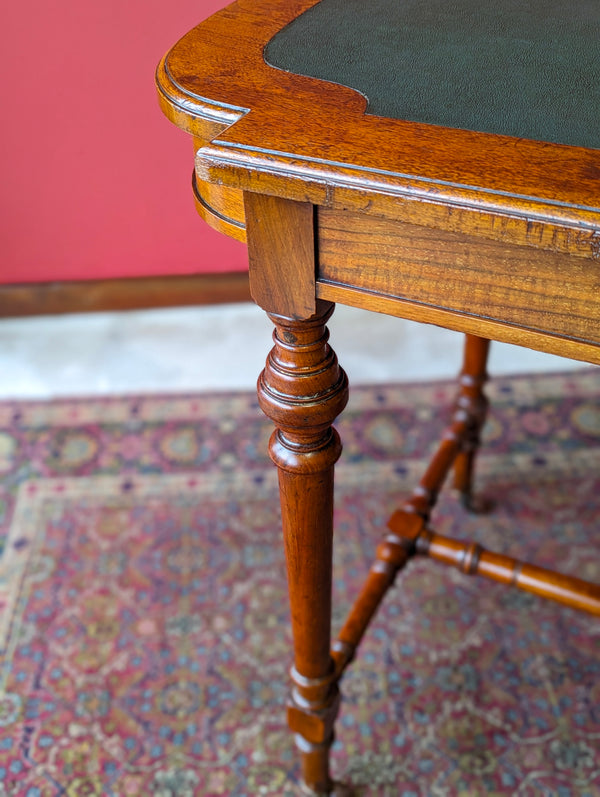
144, 635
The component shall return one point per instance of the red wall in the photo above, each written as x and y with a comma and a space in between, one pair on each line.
95, 182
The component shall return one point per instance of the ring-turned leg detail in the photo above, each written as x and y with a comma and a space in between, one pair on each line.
471, 405
303, 389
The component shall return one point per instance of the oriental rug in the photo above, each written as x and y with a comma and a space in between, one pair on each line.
144, 633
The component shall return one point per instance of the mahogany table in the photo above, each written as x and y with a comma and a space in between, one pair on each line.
437, 161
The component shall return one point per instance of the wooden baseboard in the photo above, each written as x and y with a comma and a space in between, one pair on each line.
52, 298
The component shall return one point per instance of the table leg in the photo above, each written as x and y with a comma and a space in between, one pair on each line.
302, 389
473, 404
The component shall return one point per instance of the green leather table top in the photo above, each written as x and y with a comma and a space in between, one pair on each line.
525, 68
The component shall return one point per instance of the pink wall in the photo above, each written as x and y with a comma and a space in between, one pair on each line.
95, 182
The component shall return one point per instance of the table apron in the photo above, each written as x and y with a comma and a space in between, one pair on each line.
523, 294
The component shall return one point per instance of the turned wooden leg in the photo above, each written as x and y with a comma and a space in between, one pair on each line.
302, 389
471, 406
460, 441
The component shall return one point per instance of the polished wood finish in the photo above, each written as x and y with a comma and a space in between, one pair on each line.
493, 236
531, 208
309, 140
303, 389
472, 560
472, 405
530, 289
460, 322
222, 208
391, 556
281, 253
85, 296
457, 449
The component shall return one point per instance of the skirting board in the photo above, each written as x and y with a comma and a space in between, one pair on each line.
86, 296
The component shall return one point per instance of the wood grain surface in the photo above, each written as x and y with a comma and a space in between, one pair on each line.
494, 236
313, 140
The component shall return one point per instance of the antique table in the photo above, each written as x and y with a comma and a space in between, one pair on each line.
434, 160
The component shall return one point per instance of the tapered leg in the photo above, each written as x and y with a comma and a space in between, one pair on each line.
302, 389
472, 404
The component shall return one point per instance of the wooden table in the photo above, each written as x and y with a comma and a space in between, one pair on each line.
457, 183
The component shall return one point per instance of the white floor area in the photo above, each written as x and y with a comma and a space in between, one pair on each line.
218, 348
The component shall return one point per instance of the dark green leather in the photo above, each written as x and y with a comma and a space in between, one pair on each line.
526, 68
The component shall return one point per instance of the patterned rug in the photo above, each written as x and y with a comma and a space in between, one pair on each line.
144, 630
